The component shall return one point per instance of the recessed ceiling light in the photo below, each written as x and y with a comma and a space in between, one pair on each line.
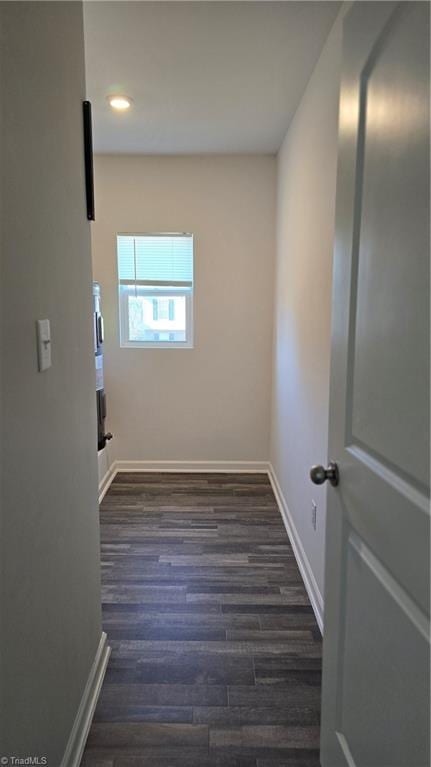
120, 103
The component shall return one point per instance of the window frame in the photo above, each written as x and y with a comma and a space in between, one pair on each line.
159, 289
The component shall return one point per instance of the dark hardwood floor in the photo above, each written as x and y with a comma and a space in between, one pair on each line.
216, 654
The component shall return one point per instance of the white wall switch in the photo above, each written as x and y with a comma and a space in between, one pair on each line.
43, 344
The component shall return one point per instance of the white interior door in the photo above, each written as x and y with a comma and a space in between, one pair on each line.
376, 643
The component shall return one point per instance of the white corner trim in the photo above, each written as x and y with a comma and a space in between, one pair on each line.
105, 482
310, 582
81, 726
193, 466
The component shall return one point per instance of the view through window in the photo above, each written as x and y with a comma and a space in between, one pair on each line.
155, 273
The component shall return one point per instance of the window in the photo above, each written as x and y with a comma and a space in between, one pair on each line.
155, 275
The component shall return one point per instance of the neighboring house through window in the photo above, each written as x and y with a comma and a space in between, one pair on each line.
155, 274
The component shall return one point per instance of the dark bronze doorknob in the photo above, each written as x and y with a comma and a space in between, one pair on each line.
319, 475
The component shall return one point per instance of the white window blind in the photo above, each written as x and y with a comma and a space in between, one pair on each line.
159, 259
155, 276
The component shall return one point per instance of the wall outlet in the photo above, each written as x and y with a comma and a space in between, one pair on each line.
43, 344
314, 514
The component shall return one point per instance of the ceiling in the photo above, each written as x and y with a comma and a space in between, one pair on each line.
204, 76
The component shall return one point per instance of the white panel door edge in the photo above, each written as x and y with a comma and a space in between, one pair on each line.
375, 710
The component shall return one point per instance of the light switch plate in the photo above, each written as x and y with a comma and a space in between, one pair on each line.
43, 344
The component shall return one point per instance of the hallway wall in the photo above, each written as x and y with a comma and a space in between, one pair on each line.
211, 402
50, 581
307, 164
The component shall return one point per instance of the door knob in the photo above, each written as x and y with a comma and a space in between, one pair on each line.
319, 475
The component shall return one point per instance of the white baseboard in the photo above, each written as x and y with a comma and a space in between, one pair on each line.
261, 467
81, 726
310, 582
105, 482
253, 467
193, 466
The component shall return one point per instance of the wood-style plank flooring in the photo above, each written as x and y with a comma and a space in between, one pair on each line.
216, 654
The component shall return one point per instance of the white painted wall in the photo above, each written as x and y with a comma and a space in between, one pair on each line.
50, 581
211, 402
305, 231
